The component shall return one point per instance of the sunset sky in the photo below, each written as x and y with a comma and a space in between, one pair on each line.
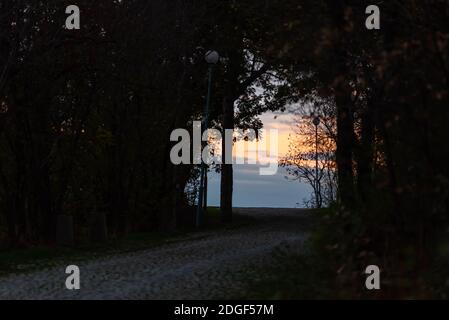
254, 190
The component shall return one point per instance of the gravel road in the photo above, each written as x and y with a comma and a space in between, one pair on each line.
205, 266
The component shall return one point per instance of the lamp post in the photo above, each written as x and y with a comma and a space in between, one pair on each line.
211, 58
316, 122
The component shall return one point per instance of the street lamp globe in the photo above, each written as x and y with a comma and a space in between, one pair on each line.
212, 57
316, 121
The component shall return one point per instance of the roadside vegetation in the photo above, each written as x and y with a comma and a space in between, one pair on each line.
32, 258
332, 264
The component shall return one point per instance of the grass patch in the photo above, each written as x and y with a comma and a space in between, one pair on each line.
292, 277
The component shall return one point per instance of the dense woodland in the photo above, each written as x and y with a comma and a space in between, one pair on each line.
86, 115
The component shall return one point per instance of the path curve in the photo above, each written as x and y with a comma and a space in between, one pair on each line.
203, 267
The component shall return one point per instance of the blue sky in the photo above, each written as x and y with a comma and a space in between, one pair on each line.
254, 190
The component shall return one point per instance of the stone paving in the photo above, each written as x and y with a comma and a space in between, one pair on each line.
203, 267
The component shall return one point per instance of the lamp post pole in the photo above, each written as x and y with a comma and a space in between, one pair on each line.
212, 58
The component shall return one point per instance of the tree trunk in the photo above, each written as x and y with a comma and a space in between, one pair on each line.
366, 155
345, 144
226, 168
345, 118
50, 218
64, 233
98, 228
